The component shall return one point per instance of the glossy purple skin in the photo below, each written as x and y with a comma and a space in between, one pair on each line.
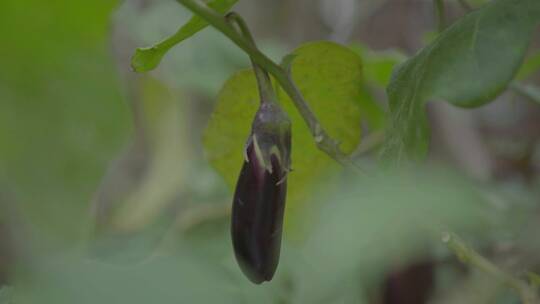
257, 217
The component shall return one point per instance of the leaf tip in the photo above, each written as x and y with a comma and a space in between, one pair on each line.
146, 59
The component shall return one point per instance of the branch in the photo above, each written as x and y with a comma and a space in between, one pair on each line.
468, 256
266, 91
528, 91
441, 17
323, 141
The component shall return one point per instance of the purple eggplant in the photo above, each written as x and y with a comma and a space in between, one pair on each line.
259, 199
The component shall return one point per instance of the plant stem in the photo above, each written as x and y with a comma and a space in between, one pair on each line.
441, 17
468, 256
266, 90
529, 91
322, 139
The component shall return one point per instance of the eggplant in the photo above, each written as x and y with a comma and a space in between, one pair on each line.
259, 199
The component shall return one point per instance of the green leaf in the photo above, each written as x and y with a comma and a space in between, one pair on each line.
378, 65
468, 65
148, 58
330, 78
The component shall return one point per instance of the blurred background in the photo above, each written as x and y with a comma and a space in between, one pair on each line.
106, 195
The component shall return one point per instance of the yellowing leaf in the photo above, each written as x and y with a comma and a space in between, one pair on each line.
330, 78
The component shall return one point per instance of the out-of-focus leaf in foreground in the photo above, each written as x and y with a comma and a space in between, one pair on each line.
198, 267
468, 65
330, 77
188, 279
367, 226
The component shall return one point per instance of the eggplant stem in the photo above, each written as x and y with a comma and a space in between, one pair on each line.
264, 83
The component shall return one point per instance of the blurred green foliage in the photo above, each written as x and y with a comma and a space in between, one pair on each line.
106, 170
62, 113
